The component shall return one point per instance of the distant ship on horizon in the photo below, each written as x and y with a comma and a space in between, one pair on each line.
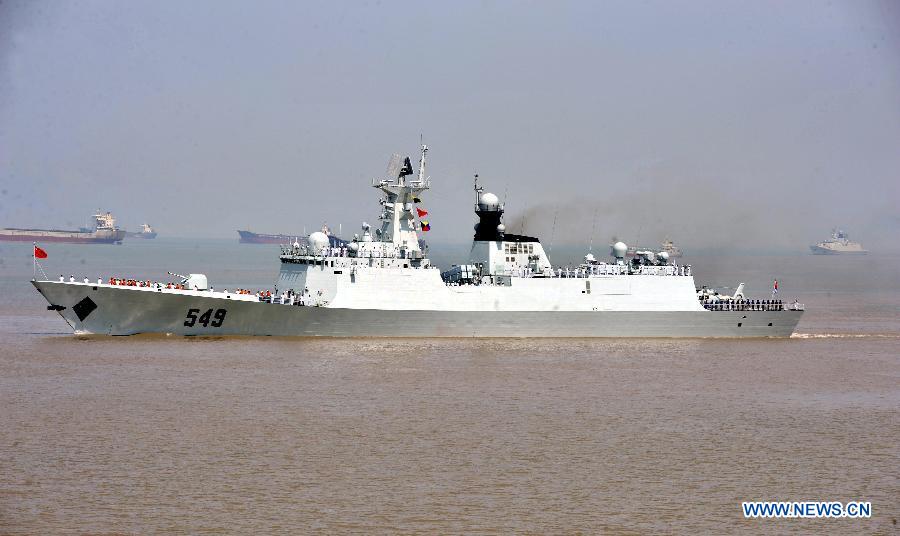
249, 237
838, 244
666, 245
146, 232
105, 231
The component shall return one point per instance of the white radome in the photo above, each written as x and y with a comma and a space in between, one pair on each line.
501, 228
619, 250
488, 200
663, 256
318, 241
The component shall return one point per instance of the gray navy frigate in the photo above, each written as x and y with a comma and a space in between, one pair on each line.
838, 244
382, 284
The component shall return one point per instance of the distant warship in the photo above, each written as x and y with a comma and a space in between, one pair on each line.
146, 232
666, 245
382, 284
838, 244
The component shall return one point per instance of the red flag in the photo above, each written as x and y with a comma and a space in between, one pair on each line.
421, 213
39, 253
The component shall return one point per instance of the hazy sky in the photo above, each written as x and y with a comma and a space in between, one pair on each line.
744, 124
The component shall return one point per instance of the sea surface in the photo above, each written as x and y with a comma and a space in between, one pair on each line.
156, 434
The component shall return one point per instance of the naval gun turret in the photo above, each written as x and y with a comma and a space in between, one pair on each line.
193, 281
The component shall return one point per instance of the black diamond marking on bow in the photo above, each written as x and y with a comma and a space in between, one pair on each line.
84, 308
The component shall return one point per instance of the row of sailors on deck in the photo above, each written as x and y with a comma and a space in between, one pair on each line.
122, 282
343, 251
139, 283
743, 305
329, 251
245, 291
125, 282
602, 269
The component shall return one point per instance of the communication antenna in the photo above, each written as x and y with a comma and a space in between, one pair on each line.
553, 230
593, 226
424, 149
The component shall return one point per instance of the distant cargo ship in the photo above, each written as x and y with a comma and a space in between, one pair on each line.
105, 231
146, 232
249, 237
838, 244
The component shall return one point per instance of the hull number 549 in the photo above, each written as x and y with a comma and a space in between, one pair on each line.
209, 318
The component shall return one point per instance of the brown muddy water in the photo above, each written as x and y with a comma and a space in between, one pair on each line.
243, 435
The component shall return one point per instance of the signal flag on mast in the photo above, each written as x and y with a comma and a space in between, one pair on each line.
39, 253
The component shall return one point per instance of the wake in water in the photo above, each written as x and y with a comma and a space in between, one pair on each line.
845, 336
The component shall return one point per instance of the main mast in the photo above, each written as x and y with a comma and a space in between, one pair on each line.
398, 211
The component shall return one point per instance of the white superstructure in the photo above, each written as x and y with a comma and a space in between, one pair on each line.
386, 269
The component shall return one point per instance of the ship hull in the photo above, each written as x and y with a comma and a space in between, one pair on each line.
110, 310
145, 236
819, 250
73, 237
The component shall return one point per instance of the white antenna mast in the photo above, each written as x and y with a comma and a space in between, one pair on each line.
553, 231
422, 161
